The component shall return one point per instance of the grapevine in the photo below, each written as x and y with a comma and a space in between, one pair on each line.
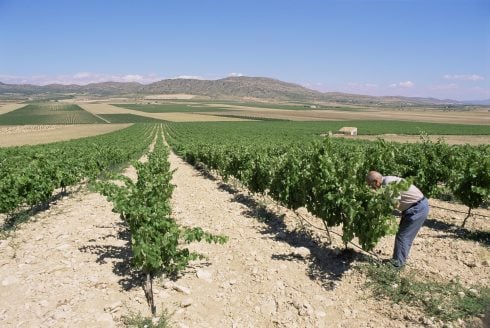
327, 177
145, 207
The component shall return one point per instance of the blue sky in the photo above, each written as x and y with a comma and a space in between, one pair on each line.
428, 48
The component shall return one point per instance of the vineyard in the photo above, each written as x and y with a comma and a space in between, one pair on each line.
291, 164
49, 113
29, 175
128, 118
307, 131
145, 206
171, 108
327, 177
23, 135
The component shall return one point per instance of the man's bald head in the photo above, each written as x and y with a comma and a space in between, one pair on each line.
374, 179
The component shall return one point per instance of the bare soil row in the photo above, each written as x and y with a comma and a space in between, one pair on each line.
69, 266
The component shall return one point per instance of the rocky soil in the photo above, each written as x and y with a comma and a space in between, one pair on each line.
68, 266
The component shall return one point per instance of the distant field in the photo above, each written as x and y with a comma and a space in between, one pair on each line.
248, 117
366, 127
298, 107
105, 109
129, 118
230, 104
369, 121
40, 134
315, 130
5, 108
171, 108
305, 112
432, 116
197, 110
49, 113
195, 117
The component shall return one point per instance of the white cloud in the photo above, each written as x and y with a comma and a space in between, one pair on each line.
83, 78
464, 77
350, 87
79, 78
82, 75
405, 85
444, 90
361, 85
318, 86
189, 77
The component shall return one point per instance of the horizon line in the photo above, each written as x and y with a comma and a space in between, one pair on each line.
156, 79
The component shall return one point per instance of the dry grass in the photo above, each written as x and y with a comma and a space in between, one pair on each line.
40, 134
191, 117
173, 117
10, 108
431, 116
106, 109
180, 96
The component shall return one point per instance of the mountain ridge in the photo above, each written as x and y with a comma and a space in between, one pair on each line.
241, 87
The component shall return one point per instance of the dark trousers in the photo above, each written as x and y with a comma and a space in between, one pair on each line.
410, 224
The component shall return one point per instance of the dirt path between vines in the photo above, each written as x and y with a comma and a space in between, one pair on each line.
262, 277
273, 273
68, 266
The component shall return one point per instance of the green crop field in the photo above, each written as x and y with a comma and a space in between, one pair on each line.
49, 113
295, 131
129, 118
170, 108
327, 177
226, 103
300, 106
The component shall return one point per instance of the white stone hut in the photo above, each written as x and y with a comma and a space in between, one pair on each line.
348, 131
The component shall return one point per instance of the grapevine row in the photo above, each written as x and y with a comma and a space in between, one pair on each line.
29, 175
144, 206
327, 177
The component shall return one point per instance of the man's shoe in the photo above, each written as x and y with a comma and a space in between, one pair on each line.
394, 263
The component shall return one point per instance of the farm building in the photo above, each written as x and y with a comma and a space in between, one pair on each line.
349, 131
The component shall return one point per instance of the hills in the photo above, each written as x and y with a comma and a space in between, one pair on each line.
236, 88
